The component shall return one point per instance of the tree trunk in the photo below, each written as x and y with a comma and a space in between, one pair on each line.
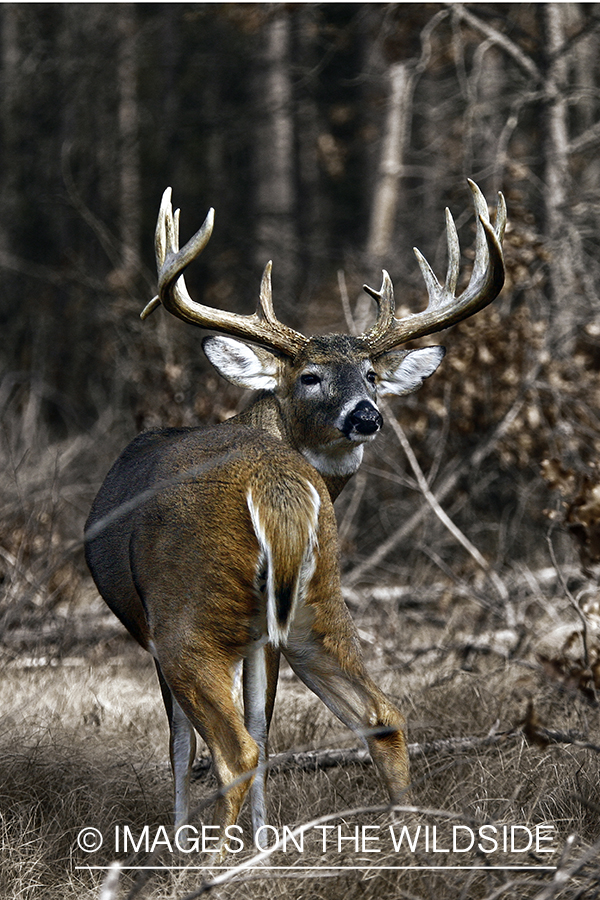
489, 152
274, 164
387, 189
314, 211
8, 107
129, 157
401, 78
562, 274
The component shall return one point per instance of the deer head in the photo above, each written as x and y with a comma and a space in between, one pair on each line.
327, 386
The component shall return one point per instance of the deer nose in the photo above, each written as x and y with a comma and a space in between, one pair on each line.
364, 418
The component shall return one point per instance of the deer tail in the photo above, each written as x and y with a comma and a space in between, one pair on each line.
285, 515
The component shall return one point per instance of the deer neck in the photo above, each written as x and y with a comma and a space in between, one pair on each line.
265, 412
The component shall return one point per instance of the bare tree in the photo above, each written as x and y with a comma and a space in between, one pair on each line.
129, 157
8, 113
274, 158
557, 175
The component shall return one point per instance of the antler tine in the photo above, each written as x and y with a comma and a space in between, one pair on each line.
436, 293
444, 308
262, 327
453, 254
385, 304
264, 307
170, 260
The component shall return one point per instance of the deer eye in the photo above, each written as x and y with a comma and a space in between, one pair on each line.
372, 377
310, 378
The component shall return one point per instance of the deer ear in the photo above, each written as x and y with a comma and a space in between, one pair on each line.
249, 367
403, 371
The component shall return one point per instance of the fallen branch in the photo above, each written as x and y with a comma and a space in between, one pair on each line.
316, 760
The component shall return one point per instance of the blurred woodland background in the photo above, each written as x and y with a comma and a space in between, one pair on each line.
329, 137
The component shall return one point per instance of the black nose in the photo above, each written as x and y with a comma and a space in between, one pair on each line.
364, 418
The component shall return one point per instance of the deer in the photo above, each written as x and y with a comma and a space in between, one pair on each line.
216, 546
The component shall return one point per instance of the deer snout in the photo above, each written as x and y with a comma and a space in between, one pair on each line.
365, 419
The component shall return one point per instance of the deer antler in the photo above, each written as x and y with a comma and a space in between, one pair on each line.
262, 327
444, 308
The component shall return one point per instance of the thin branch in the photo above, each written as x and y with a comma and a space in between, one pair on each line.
360, 482
501, 40
585, 31
323, 759
444, 518
377, 557
104, 236
48, 275
260, 858
107, 240
570, 598
585, 141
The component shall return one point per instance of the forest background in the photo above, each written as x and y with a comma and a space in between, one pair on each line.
329, 138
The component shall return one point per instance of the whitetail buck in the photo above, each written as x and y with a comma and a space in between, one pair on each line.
217, 546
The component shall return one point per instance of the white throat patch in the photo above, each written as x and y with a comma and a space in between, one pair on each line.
331, 463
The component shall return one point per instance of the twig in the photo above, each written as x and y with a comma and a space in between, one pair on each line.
260, 858
104, 236
589, 138
501, 40
441, 513
107, 240
21, 571
317, 760
328, 758
562, 737
345, 525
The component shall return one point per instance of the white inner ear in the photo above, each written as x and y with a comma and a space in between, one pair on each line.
248, 367
408, 374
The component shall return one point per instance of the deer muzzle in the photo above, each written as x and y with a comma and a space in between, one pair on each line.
364, 420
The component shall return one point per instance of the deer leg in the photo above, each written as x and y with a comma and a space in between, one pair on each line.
204, 689
182, 750
332, 666
261, 669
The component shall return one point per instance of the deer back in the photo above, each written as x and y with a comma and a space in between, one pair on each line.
220, 527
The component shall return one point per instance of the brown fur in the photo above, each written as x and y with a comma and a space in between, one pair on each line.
178, 559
